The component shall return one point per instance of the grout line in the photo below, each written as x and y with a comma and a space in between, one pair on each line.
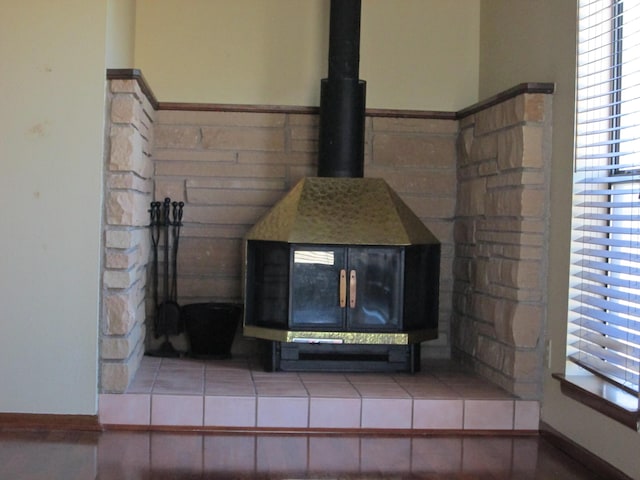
150, 409
413, 407
203, 406
464, 409
308, 401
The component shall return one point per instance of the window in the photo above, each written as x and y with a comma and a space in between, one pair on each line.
604, 308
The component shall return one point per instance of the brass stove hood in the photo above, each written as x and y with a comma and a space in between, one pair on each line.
342, 211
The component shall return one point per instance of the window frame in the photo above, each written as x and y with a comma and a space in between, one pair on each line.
583, 381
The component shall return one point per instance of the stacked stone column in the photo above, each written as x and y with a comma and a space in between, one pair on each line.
129, 184
500, 238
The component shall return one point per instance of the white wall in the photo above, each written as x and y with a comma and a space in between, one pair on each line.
52, 59
415, 54
527, 41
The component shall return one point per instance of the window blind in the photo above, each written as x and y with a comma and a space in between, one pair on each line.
604, 310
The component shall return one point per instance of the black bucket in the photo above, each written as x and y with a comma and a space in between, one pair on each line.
211, 328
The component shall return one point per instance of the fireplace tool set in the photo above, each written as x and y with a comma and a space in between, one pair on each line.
166, 220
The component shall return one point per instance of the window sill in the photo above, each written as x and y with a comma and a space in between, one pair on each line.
602, 396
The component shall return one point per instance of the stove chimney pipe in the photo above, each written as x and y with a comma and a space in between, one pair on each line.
342, 96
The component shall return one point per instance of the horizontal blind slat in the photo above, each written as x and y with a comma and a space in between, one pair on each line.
601, 315
608, 229
621, 353
614, 192
586, 275
609, 306
609, 267
616, 360
609, 205
615, 375
615, 370
608, 179
608, 329
611, 217
607, 291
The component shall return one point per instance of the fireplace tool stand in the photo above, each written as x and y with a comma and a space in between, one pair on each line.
166, 217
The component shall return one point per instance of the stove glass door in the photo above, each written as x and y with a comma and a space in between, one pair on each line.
375, 274
352, 288
316, 288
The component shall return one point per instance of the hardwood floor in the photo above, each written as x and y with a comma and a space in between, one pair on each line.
52, 455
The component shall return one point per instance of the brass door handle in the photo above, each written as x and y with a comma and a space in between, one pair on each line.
352, 289
343, 288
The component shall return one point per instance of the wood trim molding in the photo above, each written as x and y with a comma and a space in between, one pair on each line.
520, 89
588, 390
420, 114
36, 421
223, 107
135, 74
370, 112
581, 454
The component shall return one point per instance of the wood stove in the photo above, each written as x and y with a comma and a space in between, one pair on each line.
341, 274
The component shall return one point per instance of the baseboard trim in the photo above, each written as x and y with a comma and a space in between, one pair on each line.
41, 421
581, 454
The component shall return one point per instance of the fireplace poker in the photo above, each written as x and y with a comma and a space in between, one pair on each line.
165, 224
154, 226
167, 321
176, 223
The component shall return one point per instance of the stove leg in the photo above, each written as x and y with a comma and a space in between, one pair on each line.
414, 357
272, 356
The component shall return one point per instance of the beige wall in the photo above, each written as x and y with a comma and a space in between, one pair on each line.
121, 15
524, 41
52, 59
416, 54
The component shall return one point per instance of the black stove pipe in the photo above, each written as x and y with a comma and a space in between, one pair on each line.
342, 96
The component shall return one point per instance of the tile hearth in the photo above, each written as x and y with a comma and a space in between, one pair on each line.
239, 394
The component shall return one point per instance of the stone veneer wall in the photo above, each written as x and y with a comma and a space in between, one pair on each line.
500, 236
231, 167
128, 189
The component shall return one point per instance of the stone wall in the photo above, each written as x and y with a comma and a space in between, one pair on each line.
500, 237
231, 167
128, 188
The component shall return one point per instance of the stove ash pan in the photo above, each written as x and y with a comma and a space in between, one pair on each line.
314, 297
